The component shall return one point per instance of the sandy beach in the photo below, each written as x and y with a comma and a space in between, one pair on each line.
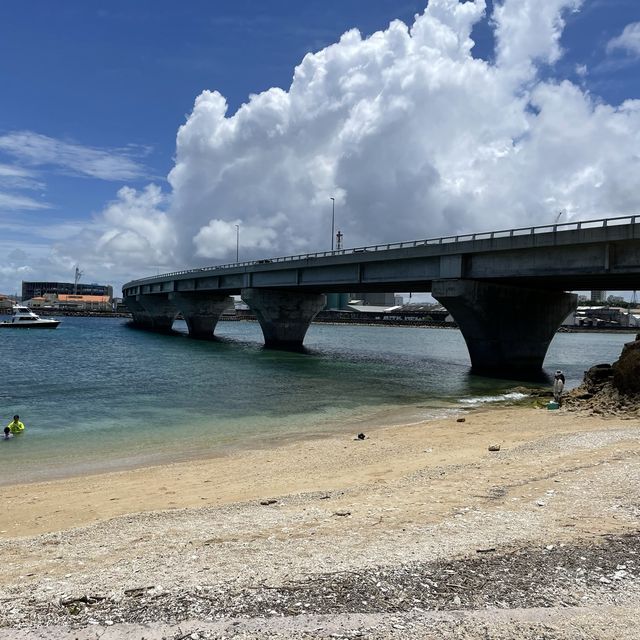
415, 531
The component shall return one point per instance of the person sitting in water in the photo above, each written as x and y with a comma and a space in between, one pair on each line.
14, 427
558, 386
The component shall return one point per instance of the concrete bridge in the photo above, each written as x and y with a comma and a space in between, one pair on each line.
505, 289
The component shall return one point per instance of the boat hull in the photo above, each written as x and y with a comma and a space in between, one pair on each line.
30, 325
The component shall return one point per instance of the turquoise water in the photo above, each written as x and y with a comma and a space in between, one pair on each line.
96, 394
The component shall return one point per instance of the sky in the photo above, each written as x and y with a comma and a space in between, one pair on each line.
144, 137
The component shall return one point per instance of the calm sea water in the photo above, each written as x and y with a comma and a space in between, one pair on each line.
96, 394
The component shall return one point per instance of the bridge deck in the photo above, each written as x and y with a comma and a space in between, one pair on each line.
594, 254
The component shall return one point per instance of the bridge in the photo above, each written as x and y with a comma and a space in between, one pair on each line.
505, 289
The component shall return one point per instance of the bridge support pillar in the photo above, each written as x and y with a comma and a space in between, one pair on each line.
201, 312
507, 329
140, 316
157, 314
284, 316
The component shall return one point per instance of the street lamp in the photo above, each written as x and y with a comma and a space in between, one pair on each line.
237, 242
333, 218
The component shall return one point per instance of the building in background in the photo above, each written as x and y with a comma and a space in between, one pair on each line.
70, 302
6, 303
382, 299
32, 290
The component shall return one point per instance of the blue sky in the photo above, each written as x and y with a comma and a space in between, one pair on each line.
94, 93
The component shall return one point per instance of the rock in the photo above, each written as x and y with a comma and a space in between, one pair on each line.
596, 377
342, 513
361, 436
626, 371
267, 502
611, 389
461, 420
494, 447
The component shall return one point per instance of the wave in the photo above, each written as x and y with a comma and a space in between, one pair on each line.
514, 396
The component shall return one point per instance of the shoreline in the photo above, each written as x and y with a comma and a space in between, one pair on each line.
383, 417
257, 455
417, 324
338, 527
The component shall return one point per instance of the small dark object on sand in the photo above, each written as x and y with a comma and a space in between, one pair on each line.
269, 501
461, 420
361, 436
494, 447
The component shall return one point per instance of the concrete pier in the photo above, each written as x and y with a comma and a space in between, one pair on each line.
201, 311
157, 313
140, 315
284, 316
507, 329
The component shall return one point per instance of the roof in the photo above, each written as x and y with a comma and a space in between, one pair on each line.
369, 308
72, 297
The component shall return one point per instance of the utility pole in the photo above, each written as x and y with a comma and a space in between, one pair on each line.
333, 218
237, 243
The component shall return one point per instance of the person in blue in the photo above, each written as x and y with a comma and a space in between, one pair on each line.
14, 427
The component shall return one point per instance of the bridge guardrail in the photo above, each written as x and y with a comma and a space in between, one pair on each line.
467, 237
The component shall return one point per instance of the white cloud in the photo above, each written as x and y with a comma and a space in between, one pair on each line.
411, 134
628, 40
35, 149
528, 31
14, 202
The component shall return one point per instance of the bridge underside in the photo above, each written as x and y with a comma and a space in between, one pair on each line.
507, 329
504, 289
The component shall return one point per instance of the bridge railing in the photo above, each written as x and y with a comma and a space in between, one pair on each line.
468, 237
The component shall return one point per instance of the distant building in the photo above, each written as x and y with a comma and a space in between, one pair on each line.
382, 299
32, 290
70, 302
6, 303
598, 296
602, 316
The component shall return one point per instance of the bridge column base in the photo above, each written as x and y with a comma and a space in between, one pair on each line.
140, 316
284, 316
507, 329
158, 313
201, 312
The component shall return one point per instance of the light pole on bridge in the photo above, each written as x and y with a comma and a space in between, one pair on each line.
237, 242
333, 218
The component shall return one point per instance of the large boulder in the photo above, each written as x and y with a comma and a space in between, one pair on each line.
596, 377
626, 371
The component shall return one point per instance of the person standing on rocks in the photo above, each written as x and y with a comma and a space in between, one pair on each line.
558, 386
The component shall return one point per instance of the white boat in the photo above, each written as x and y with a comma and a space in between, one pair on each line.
24, 318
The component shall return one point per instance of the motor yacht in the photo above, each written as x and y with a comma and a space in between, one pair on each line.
24, 318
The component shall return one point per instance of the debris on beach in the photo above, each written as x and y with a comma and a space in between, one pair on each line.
461, 420
361, 436
494, 447
268, 502
518, 577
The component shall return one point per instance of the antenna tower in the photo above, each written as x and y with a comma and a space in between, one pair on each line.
77, 277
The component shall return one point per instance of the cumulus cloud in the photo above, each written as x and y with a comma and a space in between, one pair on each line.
528, 31
411, 134
106, 164
628, 40
134, 232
